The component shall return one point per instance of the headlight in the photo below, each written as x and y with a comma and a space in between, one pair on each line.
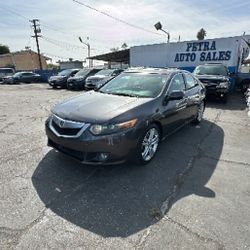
98, 129
223, 85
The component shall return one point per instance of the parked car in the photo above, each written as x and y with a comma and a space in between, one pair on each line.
26, 77
78, 81
60, 80
6, 72
101, 77
216, 79
127, 117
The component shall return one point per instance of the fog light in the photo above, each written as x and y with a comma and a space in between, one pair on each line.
103, 156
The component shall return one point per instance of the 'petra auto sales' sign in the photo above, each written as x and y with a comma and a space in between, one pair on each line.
188, 54
203, 52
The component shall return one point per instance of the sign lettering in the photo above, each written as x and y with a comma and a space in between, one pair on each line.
208, 50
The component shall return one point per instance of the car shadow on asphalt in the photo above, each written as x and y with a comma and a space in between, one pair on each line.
236, 101
118, 201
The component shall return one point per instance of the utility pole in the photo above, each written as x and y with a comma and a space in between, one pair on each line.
88, 45
37, 30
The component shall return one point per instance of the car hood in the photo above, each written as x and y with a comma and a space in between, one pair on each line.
54, 78
77, 78
96, 107
96, 78
212, 78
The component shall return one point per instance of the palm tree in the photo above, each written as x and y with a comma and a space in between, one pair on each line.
201, 34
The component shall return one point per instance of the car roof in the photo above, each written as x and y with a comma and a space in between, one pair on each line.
149, 70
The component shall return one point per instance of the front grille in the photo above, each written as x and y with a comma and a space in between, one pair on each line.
210, 81
65, 131
67, 128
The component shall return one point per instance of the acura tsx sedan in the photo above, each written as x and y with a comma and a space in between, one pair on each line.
127, 117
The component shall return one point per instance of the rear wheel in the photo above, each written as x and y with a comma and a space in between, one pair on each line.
148, 145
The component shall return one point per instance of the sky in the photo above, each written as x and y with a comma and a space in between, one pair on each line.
63, 21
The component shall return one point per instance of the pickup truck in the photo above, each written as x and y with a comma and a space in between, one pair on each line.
216, 79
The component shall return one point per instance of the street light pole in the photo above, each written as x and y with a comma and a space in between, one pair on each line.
158, 26
88, 46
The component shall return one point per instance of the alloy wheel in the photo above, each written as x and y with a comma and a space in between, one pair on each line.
150, 144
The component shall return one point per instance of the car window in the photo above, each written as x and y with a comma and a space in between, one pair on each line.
211, 70
190, 81
177, 83
135, 85
95, 71
6, 70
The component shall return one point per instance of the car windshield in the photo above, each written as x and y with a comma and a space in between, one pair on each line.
211, 70
105, 72
82, 72
135, 85
65, 72
18, 74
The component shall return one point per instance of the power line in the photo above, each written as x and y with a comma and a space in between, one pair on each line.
15, 13
62, 44
115, 18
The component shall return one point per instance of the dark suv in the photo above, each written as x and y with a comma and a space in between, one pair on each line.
216, 79
127, 117
60, 80
78, 81
101, 77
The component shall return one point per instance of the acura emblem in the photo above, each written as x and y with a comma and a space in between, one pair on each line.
61, 124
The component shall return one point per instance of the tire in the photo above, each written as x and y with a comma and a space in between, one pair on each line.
199, 114
224, 98
148, 145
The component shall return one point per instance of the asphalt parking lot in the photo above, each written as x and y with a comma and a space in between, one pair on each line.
194, 195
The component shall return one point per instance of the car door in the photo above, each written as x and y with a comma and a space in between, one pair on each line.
193, 96
23, 77
174, 111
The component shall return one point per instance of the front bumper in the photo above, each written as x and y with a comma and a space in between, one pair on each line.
88, 148
75, 85
215, 90
90, 86
57, 83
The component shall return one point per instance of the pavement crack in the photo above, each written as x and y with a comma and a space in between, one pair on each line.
13, 236
228, 161
219, 245
142, 240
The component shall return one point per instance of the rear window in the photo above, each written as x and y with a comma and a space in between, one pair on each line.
6, 71
65, 72
82, 72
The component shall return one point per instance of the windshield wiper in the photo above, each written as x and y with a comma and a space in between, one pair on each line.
125, 94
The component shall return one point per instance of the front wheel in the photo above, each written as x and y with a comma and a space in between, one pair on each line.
224, 98
148, 145
200, 112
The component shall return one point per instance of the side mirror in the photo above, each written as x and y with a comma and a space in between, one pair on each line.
174, 95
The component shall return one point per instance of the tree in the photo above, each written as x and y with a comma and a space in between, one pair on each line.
124, 46
114, 49
4, 49
201, 34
